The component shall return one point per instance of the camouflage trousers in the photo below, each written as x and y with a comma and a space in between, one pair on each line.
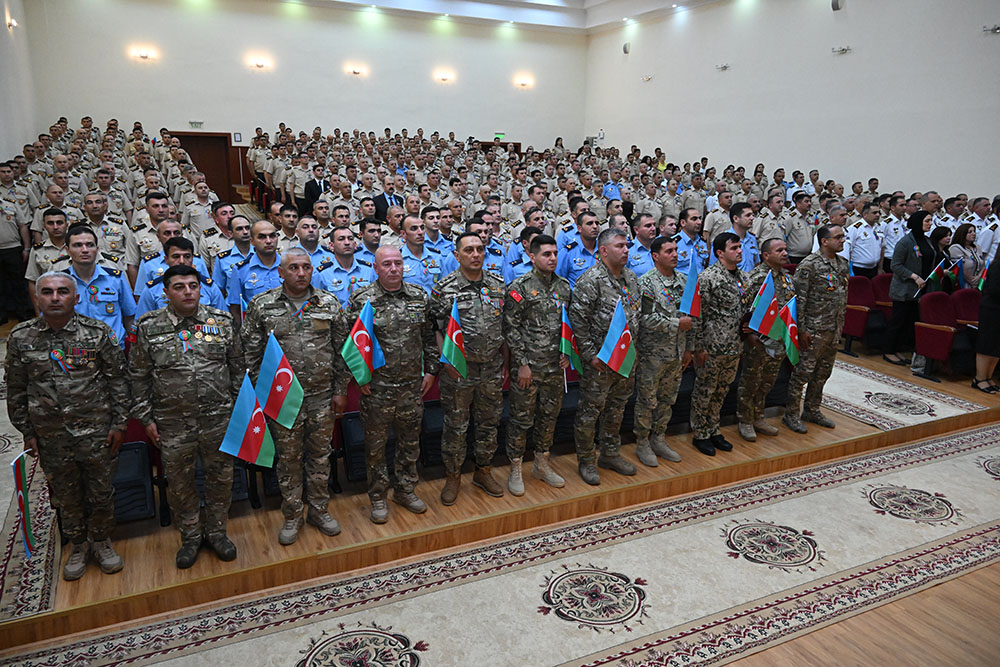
711, 385
601, 407
400, 408
537, 406
481, 394
813, 370
760, 370
180, 443
79, 472
306, 444
656, 387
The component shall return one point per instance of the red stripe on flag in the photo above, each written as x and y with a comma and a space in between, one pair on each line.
254, 436
621, 350
279, 387
769, 317
362, 340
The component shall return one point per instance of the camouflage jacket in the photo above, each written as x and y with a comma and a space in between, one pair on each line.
784, 290
480, 312
593, 305
659, 334
86, 398
724, 299
171, 382
311, 340
533, 320
821, 291
403, 328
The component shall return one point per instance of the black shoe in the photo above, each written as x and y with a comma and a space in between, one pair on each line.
721, 443
223, 547
188, 554
704, 446
897, 362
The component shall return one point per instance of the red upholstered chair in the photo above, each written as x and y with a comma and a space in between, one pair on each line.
935, 332
860, 303
880, 286
791, 268
966, 305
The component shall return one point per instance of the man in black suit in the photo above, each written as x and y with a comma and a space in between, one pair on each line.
387, 199
315, 187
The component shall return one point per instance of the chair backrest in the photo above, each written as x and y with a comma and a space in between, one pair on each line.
966, 304
791, 268
859, 292
880, 286
936, 308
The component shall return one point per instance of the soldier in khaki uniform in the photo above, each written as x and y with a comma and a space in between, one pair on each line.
112, 233
768, 224
694, 197
724, 299
603, 392
49, 255
665, 348
480, 298
394, 397
762, 355
533, 322
69, 397
821, 301
798, 226
186, 369
310, 326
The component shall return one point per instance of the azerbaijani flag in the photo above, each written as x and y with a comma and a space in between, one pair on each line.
788, 330
691, 299
20, 465
937, 274
982, 278
361, 350
567, 343
247, 437
453, 347
778, 323
618, 350
765, 293
278, 389
956, 273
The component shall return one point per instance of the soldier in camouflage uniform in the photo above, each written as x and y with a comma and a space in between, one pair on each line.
821, 301
394, 397
665, 348
724, 299
603, 392
762, 355
68, 396
186, 369
480, 298
310, 326
533, 323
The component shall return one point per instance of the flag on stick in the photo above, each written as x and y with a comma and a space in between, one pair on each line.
691, 299
765, 307
361, 350
247, 437
20, 465
278, 388
618, 350
780, 324
982, 278
789, 330
567, 343
453, 347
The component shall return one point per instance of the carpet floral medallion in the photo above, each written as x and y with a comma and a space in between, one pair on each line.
702, 579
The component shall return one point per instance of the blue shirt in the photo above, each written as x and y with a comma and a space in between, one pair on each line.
152, 295
249, 278
222, 270
442, 245
317, 258
640, 259
493, 260
574, 260
751, 253
516, 266
688, 248
566, 235
107, 297
343, 282
425, 270
612, 190
154, 265
365, 254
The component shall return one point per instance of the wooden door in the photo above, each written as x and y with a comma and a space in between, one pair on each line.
211, 153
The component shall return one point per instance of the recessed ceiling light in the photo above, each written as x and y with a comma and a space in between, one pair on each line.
674, 6
447, 15
625, 19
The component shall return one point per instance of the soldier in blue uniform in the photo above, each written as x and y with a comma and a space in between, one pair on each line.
371, 237
102, 293
178, 251
307, 231
640, 259
258, 272
519, 264
222, 269
690, 245
154, 264
344, 273
421, 265
577, 257
493, 259
741, 215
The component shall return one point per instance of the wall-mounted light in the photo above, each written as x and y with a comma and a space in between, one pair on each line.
995, 29
841, 50
723, 67
359, 70
444, 75
259, 62
524, 80
647, 78
143, 52
11, 23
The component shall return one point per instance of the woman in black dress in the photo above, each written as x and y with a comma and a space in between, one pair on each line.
988, 342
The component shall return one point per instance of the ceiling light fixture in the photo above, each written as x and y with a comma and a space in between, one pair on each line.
11, 24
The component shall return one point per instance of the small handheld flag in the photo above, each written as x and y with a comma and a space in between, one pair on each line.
618, 350
567, 343
453, 347
278, 388
247, 437
982, 277
20, 465
361, 350
765, 307
956, 273
691, 299
789, 331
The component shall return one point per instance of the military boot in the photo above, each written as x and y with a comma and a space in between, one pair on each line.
223, 547
188, 553
76, 565
380, 511
289, 532
326, 523
107, 557
645, 453
761, 426
483, 478
589, 474
661, 449
616, 463
515, 482
542, 469
794, 423
410, 501
449, 494
818, 418
747, 432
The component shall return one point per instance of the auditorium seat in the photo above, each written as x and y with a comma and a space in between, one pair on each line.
860, 305
880, 286
939, 338
966, 304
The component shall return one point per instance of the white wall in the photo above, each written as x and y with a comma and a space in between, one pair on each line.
201, 73
17, 92
917, 102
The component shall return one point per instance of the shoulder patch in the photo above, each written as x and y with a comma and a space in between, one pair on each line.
224, 253
206, 280
494, 251
243, 262
113, 272
324, 265
138, 226
364, 262
515, 295
211, 231
430, 249
38, 245
150, 283
150, 257
517, 262
571, 245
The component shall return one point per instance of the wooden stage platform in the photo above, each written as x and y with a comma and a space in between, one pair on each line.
150, 584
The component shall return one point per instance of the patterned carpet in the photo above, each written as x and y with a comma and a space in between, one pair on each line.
699, 580
887, 402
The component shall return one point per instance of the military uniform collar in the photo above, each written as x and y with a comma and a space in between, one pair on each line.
542, 278
199, 315
98, 272
255, 259
463, 281
71, 325
310, 295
